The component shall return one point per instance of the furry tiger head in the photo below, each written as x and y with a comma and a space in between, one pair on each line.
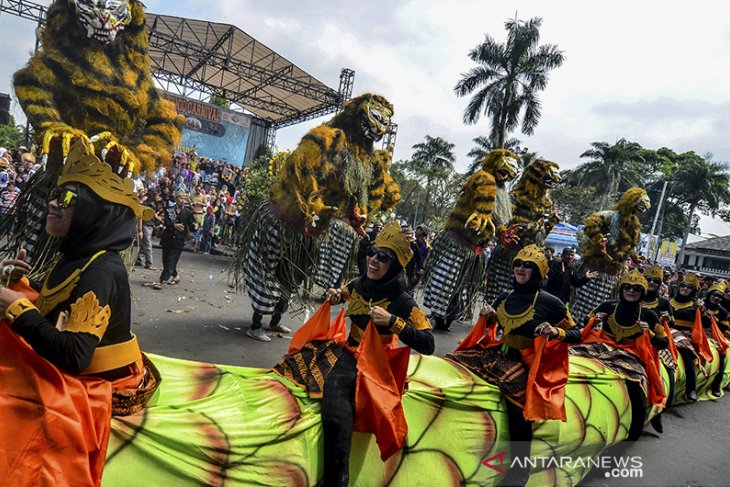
503, 164
103, 19
633, 201
542, 173
367, 114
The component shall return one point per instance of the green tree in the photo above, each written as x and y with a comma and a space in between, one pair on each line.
610, 166
432, 160
11, 135
575, 203
700, 184
508, 78
220, 101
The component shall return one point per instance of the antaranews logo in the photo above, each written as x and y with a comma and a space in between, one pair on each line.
613, 467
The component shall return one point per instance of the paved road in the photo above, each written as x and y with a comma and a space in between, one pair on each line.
203, 319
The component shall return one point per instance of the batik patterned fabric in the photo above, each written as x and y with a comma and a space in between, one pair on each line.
455, 272
620, 361
336, 255
508, 372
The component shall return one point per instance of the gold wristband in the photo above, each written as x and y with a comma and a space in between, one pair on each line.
398, 326
561, 334
18, 307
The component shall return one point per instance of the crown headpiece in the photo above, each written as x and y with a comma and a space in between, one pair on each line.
391, 237
692, 280
532, 253
83, 167
634, 277
654, 271
719, 286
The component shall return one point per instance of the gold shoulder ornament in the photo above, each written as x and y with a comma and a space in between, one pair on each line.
87, 316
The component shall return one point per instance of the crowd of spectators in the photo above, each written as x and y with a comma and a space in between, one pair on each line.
16, 167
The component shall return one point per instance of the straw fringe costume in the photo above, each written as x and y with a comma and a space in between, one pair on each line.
533, 216
455, 270
326, 177
338, 251
91, 81
612, 237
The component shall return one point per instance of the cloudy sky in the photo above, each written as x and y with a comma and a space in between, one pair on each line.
652, 72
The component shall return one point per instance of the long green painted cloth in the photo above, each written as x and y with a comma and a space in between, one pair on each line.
229, 426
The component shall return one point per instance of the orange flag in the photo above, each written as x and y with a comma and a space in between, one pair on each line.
650, 356
589, 334
699, 338
476, 334
672, 346
717, 335
378, 406
545, 394
318, 328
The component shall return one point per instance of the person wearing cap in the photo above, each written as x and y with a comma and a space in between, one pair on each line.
79, 360
379, 295
623, 323
562, 278
523, 313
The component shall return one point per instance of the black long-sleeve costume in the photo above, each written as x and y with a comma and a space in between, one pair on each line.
622, 322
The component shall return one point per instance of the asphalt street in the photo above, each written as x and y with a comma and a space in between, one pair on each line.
204, 319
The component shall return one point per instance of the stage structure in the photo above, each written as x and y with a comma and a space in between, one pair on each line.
199, 59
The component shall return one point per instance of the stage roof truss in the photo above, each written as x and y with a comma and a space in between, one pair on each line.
219, 59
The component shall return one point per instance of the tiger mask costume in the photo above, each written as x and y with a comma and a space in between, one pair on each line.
472, 217
91, 80
613, 235
533, 207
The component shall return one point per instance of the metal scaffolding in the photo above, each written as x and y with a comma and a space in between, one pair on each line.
201, 59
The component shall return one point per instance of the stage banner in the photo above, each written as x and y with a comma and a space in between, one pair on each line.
667, 253
214, 132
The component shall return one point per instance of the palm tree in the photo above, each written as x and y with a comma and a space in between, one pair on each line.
509, 77
611, 165
483, 147
433, 159
702, 185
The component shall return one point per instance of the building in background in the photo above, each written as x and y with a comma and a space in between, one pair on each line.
710, 256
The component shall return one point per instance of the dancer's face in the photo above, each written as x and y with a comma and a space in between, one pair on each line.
653, 283
379, 262
61, 210
685, 290
523, 271
631, 293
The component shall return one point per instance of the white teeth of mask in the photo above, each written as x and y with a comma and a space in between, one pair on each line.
89, 30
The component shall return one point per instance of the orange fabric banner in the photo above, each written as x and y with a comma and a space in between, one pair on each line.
380, 382
318, 327
548, 365
672, 346
477, 333
55, 427
717, 335
699, 338
650, 356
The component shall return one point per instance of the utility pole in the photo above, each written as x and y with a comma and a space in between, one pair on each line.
656, 218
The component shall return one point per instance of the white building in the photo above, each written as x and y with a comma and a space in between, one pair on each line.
710, 256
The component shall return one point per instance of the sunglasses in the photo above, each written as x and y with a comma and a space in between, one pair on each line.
63, 196
381, 255
633, 287
520, 263
681, 285
655, 280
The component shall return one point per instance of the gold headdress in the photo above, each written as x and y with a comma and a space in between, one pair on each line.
654, 271
391, 237
692, 280
532, 253
718, 286
83, 167
634, 277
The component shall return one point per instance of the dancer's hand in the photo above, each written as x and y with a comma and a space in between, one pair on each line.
547, 329
334, 295
601, 317
8, 297
20, 267
380, 316
644, 325
592, 274
487, 311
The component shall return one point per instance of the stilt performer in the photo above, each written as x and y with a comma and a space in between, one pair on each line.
455, 271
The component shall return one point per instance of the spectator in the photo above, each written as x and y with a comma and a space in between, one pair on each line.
179, 223
208, 229
562, 278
